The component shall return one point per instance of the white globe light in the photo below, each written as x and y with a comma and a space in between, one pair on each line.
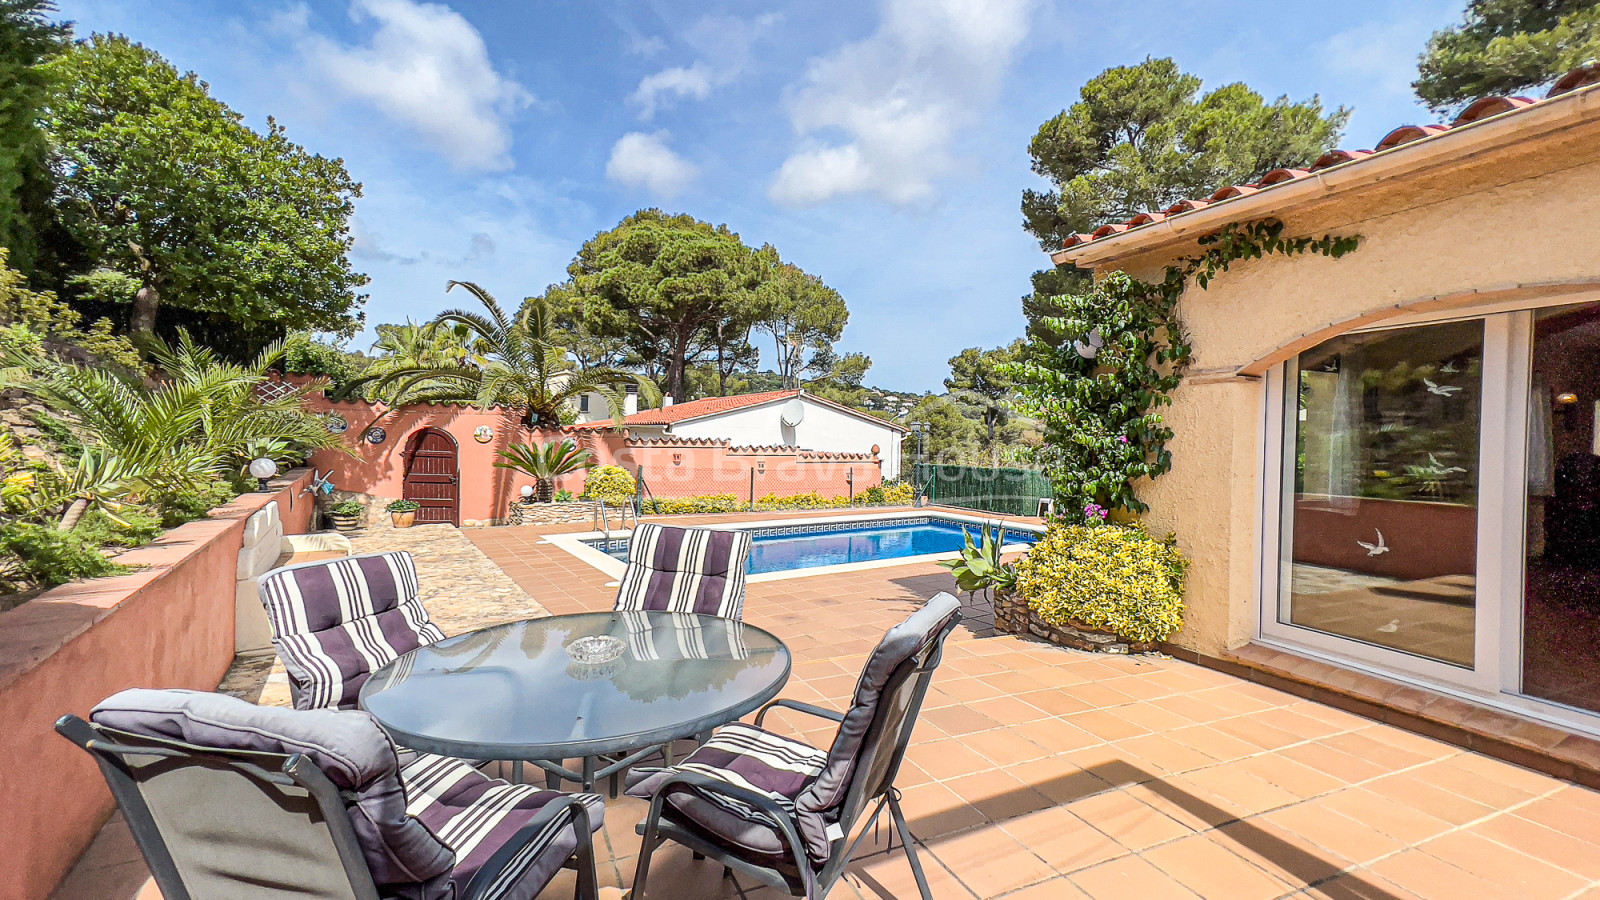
263, 468
527, 492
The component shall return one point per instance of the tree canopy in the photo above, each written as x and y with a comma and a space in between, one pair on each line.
27, 38
1143, 137
978, 379
801, 315
1505, 46
166, 187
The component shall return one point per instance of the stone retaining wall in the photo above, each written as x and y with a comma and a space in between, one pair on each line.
1012, 616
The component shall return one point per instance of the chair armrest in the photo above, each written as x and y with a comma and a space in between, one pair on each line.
568, 806
806, 708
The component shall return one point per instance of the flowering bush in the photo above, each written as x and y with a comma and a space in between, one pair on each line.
812, 500
1108, 577
611, 485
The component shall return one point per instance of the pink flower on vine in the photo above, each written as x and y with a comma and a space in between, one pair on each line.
1096, 512
1123, 438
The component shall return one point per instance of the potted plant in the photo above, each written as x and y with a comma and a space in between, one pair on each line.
545, 463
346, 515
980, 569
403, 513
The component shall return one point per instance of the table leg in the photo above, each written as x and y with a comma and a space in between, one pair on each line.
516, 771
588, 774
552, 780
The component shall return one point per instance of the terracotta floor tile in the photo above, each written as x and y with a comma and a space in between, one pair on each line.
1213, 743
1060, 779
1345, 838
1336, 763
998, 795
1005, 746
1128, 878
959, 720
1358, 886
1371, 810
1280, 852
1204, 865
1517, 873
1105, 724
1234, 790
990, 862
1054, 889
1431, 878
887, 876
933, 810
1409, 789
1128, 821
1010, 710
1056, 735
948, 758
1570, 853
1056, 702
1162, 755
1062, 839
1296, 778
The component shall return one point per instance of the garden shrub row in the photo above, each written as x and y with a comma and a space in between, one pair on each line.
887, 495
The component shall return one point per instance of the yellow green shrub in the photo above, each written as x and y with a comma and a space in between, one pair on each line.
611, 485
812, 500
673, 506
1109, 577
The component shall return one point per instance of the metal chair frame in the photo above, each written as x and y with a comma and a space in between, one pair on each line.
109, 747
871, 783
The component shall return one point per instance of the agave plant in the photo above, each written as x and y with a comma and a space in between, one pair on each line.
980, 568
516, 362
545, 463
198, 424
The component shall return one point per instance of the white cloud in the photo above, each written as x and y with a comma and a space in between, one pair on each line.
901, 97
723, 44
427, 67
645, 161
669, 84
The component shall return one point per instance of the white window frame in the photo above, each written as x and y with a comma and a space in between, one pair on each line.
1496, 674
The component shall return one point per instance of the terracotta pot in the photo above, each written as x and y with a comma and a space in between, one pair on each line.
403, 519
344, 523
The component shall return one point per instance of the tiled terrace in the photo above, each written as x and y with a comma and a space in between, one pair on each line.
1039, 772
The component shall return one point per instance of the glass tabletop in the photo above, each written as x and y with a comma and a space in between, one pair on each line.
516, 691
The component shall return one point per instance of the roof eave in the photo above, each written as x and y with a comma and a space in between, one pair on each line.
1512, 127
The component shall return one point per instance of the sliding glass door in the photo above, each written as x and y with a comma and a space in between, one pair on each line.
1433, 502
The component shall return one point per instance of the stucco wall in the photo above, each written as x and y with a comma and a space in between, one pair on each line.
170, 625
822, 428
1515, 224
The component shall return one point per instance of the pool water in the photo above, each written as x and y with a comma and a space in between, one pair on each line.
804, 547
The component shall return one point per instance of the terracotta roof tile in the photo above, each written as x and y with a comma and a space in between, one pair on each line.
705, 407
1489, 106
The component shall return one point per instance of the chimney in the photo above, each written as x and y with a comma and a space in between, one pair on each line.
630, 400
666, 401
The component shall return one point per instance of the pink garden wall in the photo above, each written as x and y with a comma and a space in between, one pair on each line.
671, 467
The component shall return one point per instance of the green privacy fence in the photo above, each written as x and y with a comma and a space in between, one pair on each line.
1015, 492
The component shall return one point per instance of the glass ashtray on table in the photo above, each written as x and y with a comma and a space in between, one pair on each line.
596, 649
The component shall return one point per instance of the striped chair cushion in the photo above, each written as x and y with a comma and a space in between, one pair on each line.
751, 758
687, 570
701, 639
475, 815
334, 623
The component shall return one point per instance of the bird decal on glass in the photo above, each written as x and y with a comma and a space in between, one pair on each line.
1391, 628
1377, 549
1443, 390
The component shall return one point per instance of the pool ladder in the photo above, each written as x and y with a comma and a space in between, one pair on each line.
602, 518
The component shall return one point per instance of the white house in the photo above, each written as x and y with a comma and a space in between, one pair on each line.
790, 418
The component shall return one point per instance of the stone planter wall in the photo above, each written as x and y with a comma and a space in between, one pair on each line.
573, 513
1012, 616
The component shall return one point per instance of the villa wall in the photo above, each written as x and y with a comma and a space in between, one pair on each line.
1516, 224
168, 625
672, 467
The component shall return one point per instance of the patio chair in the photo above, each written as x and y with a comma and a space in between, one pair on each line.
780, 810
232, 801
685, 570
335, 622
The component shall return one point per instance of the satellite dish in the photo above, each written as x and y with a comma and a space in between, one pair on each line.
793, 412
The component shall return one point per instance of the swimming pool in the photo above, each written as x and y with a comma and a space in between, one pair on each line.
784, 547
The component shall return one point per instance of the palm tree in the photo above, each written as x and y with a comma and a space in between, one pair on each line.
197, 426
514, 362
544, 464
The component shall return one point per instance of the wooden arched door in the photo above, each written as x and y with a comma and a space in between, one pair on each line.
433, 476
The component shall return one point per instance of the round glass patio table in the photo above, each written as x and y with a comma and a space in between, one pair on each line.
516, 692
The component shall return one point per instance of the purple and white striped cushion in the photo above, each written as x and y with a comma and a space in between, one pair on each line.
749, 757
334, 623
687, 570
475, 815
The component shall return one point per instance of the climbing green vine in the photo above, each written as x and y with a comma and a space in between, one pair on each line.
1098, 370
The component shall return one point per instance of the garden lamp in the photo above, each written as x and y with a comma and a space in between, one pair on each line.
527, 492
262, 468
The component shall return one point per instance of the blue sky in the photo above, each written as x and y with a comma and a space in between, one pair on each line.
880, 145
